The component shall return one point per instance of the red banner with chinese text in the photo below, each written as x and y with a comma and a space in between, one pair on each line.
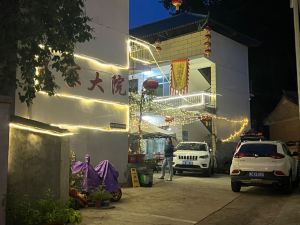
179, 76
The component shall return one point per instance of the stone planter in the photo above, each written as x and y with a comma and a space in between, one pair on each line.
136, 158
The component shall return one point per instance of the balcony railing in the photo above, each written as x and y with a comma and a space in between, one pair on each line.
190, 101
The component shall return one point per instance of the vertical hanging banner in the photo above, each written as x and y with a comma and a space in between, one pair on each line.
179, 76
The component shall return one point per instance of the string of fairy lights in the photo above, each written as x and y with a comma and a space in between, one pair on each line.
179, 116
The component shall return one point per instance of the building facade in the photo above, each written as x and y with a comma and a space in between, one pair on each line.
218, 83
96, 110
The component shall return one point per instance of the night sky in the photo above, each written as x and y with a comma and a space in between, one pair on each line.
145, 11
272, 67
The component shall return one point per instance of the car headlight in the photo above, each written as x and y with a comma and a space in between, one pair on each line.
203, 156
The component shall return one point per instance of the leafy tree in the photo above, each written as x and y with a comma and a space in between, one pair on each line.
31, 32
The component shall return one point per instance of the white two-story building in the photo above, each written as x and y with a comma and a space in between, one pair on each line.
217, 93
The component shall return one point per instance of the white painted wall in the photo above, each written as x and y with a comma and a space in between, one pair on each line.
110, 20
196, 131
231, 59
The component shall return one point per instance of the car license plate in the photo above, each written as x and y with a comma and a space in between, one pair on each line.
256, 174
187, 162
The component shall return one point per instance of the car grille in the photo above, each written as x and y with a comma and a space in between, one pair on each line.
188, 157
187, 166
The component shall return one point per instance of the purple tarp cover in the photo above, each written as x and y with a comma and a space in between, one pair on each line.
109, 175
91, 179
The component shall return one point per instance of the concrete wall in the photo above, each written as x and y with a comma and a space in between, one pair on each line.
38, 162
231, 59
103, 146
110, 20
196, 131
4, 137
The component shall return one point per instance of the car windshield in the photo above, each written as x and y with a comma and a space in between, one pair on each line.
191, 146
263, 150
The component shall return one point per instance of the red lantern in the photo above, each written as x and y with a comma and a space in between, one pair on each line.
207, 51
208, 36
208, 44
177, 4
150, 84
169, 119
207, 28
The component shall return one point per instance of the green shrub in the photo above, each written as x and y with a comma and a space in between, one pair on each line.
21, 211
44, 211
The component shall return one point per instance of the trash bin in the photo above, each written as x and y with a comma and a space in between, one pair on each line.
146, 178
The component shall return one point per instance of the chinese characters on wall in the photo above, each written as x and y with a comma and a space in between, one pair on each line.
117, 82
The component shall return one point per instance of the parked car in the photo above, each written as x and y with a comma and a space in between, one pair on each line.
194, 157
257, 163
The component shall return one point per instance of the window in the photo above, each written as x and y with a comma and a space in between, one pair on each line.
191, 146
163, 85
261, 150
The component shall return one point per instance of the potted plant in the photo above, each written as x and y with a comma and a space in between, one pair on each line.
137, 105
101, 197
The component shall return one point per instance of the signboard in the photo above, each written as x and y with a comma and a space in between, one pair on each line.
134, 178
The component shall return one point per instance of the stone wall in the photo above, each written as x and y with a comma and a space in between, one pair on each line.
38, 162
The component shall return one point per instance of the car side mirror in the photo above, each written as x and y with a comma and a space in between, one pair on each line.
210, 150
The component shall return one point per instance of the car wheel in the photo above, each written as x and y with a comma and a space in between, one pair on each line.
116, 195
235, 186
207, 172
296, 182
174, 172
213, 169
288, 187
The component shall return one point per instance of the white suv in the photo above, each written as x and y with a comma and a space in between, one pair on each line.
257, 163
194, 157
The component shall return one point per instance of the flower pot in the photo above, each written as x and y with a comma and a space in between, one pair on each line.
98, 204
136, 158
105, 203
131, 158
140, 158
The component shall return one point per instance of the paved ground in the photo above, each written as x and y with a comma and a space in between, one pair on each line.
198, 200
